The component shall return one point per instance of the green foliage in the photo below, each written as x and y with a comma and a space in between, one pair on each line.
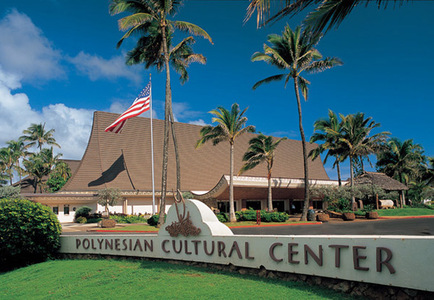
250, 215
10, 192
109, 197
81, 220
83, 211
223, 217
128, 219
340, 205
55, 183
187, 195
153, 220
29, 232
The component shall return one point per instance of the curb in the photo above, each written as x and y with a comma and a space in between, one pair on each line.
405, 217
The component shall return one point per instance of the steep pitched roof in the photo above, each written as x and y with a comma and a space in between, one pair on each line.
124, 160
381, 180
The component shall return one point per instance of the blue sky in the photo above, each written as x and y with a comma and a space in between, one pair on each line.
59, 63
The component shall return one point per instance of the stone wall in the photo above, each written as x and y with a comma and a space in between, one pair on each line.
353, 288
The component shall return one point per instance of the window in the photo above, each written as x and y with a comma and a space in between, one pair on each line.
223, 206
253, 204
279, 205
66, 209
56, 210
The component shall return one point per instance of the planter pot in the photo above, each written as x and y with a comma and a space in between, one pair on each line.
323, 217
348, 216
372, 215
107, 223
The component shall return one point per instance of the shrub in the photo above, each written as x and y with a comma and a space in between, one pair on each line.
29, 232
128, 219
10, 192
223, 217
83, 211
153, 220
250, 215
81, 220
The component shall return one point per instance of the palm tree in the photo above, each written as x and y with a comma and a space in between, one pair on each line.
261, 149
295, 53
36, 135
19, 150
328, 131
356, 142
39, 165
7, 159
400, 160
327, 14
231, 124
149, 18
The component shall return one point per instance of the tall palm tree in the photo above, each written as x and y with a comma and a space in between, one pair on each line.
295, 53
7, 159
357, 142
19, 150
400, 160
149, 19
261, 149
230, 125
328, 131
326, 15
37, 135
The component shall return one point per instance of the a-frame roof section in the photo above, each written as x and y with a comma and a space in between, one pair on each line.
124, 160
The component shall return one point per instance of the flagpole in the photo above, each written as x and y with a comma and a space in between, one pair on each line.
152, 150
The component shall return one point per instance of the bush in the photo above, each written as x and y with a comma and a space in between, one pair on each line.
223, 217
83, 211
128, 219
29, 233
153, 220
250, 215
81, 220
10, 192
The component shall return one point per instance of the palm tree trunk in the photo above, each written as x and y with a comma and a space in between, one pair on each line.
353, 199
270, 196
232, 217
338, 168
167, 110
303, 141
175, 144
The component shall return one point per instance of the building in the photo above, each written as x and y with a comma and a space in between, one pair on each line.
124, 161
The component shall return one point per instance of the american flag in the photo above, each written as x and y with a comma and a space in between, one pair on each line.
140, 105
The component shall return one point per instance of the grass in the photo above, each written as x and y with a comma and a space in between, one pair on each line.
129, 279
405, 212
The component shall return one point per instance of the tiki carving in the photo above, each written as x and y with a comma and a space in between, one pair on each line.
184, 226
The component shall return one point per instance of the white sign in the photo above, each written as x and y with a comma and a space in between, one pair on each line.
193, 233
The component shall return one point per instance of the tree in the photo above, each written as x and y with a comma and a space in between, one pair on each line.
327, 14
59, 176
19, 150
400, 160
39, 165
230, 125
149, 18
261, 149
7, 160
328, 131
294, 52
356, 142
37, 135
108, 197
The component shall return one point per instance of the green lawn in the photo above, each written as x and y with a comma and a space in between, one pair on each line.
128, 279
401, 212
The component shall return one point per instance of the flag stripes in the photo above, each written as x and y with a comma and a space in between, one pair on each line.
139, 106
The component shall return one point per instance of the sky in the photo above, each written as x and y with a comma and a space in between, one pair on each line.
59, 63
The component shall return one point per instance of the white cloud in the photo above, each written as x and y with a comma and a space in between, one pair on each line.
25, 51
198, 122
96, 67
182, 112
72, 126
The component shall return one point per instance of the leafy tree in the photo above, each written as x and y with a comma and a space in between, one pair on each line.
37, 135
230, 125
356, 140
7, 160
295, 53
59, 176
149, 19
109, 197
400, 160
328, 131
261, 149
11, 192
39, 165
326, 15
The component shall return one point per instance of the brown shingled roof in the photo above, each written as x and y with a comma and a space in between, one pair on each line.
124, 160
381, 180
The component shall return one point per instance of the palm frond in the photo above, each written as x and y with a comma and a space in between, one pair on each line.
268, 80
192, 29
